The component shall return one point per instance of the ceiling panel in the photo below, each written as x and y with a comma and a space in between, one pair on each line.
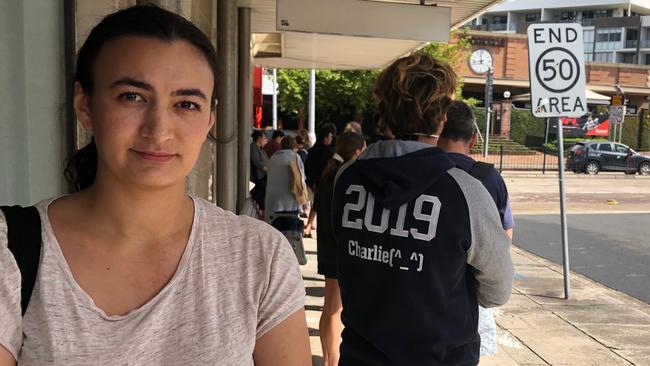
307, 50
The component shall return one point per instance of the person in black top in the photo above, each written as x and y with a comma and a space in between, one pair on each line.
348, 146
259, 166
317, 158
418, 241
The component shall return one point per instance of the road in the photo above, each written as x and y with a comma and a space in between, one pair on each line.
613, 249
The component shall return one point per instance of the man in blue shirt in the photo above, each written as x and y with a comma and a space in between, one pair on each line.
457, 139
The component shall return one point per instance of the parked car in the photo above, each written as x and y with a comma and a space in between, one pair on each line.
593, 156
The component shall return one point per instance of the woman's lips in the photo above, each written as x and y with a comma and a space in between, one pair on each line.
155, 155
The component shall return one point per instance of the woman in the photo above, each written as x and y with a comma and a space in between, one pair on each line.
348, 147
133, 270
259, 166
278, 187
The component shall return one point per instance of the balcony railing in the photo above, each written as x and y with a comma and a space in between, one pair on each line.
645, 43
631, 43
498, 27
586, 22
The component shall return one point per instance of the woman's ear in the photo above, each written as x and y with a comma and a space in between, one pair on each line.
81, 104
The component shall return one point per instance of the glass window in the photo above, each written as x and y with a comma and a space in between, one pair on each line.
605, 147
603, 56
603, 13
621, 148
628, 58
589, 56
567, 15
602, 35
532, 17
500, 19
588, 35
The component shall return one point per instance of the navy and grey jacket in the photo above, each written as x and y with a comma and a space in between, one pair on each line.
419, 243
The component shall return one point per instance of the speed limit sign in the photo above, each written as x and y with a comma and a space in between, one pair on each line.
557, 70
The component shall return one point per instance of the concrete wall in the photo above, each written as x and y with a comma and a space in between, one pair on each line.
32, 120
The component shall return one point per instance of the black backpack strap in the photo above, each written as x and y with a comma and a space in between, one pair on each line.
480, 170
24, 237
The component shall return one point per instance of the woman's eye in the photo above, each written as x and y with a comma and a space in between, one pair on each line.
189, 105
131, 97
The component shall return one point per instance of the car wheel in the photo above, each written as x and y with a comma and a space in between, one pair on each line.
644, 168
592, 167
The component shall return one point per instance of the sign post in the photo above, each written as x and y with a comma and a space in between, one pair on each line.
617, 116
557, 89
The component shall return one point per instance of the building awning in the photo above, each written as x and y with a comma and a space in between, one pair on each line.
592, 98
288, 49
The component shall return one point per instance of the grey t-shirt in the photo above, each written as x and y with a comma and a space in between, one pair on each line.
237, 279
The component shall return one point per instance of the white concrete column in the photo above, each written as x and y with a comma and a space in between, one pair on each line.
275, 98
312, 101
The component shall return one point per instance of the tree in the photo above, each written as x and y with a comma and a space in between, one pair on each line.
454, 53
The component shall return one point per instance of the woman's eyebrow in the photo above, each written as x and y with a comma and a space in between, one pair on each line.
191, 92
132, 82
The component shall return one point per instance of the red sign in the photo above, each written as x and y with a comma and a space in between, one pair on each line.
586, 126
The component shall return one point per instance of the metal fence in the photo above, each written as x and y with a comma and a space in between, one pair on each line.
541, 160
545, 159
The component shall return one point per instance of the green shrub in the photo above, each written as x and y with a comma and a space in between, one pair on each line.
527, 129
631, 132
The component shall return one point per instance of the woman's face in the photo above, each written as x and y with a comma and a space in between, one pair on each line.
149, 111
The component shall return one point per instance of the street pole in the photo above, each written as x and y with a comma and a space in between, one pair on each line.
546, 131
275, 99
488, 110
563, 218
312, 101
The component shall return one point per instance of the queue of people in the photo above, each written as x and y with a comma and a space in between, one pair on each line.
130, 269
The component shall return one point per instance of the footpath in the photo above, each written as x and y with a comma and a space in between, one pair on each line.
596, 326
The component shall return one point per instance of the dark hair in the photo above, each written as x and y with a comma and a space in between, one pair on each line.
413, 94
257, 134
300, 140
288, 143
324, 130
277, 133
347, 145
460, 122
146, 21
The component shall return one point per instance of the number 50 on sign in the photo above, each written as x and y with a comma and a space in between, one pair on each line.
557, 70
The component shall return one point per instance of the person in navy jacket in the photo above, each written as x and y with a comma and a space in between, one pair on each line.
419, 241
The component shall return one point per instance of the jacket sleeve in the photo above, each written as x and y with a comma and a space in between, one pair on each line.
489, 251
258, 157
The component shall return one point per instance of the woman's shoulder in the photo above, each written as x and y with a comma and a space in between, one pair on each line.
223, 225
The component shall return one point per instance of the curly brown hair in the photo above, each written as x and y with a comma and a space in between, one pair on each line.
414, 93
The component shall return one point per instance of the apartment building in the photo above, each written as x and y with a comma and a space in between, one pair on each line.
614, 31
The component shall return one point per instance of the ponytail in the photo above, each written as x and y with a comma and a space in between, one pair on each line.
82, 167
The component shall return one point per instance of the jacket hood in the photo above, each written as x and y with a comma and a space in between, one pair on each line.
396, 172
